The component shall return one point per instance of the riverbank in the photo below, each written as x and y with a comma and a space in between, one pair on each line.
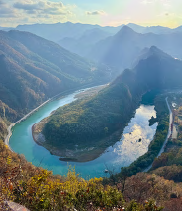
144, 162
167, 137
77, 155
9, 135
83, 130
117, 155
9, 129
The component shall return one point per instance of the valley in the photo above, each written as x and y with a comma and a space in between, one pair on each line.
35, 74
39, 156
97, 122
90, 115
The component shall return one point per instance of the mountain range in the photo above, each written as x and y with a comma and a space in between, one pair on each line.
85, 42
122, 49
99, 121
114, 46
34, 69
58, 31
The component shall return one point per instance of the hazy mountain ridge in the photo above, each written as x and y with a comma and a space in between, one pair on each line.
80, 38
34, 69
122, 49
113, 107
58, 31
151, 29
82, 45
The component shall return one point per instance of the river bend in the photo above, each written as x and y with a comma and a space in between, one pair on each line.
123, 153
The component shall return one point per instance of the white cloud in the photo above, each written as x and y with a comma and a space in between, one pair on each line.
33, 11
42, 7
97, 12
6, 11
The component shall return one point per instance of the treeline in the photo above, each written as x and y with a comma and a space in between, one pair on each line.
92, 122
96, 122
169, 164
146, 160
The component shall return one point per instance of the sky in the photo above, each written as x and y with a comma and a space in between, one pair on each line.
102, 12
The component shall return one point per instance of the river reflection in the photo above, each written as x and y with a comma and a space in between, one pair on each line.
136, 137
121, 154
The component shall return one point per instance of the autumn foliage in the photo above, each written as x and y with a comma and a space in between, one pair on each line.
38, 189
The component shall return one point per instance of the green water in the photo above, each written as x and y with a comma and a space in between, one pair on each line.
121, 154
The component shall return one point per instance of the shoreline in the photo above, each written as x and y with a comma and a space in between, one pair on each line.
67, 92
69, 155
9, 136
86, 155
6, 141
167, 137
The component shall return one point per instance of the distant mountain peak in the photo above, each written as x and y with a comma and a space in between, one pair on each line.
133, 24
146, 53
153, 50
125, 30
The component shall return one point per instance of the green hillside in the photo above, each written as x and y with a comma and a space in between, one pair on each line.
33, 69
99, 122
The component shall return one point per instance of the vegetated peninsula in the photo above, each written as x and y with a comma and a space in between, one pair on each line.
34, 69
82, 130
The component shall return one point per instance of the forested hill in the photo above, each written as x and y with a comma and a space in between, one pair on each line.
33, 69
87, 123
95, 122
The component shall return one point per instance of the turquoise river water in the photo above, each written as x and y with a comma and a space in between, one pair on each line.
123, 153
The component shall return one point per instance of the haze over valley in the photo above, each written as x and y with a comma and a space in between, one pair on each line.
91, 105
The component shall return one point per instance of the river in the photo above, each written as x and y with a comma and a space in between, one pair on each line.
123, 153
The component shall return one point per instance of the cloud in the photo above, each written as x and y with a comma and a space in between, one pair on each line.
97, 12
44, 7
23, 6
15, 12
6, 11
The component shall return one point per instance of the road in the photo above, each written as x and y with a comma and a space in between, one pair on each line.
167, 137
26, 116
9, 135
